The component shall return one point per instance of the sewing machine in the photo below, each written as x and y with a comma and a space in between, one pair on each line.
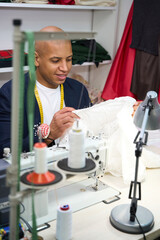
79, 189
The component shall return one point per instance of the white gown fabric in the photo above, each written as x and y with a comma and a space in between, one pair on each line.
113, 120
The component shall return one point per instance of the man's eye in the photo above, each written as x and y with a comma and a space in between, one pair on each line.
55, 61
69, 59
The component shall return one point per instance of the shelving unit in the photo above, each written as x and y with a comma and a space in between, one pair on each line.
99, 19
54, 6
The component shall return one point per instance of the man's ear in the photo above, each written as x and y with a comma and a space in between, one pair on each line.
36, 62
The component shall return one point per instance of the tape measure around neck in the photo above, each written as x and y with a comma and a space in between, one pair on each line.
40, 104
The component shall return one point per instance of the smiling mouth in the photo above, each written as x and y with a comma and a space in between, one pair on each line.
61, 77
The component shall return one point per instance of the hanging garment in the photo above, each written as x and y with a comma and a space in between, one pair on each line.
146, 74
146, 26
120, 75
145, 39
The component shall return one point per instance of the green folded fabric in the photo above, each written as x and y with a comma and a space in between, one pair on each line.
88, 51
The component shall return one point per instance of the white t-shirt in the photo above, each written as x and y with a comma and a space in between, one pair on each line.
50, 100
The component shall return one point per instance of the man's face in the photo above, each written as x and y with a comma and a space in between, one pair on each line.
53, 62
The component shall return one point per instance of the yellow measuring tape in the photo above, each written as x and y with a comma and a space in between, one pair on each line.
40, 104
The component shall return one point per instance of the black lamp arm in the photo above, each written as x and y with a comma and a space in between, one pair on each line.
143, 142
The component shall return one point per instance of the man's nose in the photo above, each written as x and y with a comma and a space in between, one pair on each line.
63, 66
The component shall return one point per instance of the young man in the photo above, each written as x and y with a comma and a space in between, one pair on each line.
56, 94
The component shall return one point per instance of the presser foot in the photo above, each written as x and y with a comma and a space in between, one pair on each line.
98, 186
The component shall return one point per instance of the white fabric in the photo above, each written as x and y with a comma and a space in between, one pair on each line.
50, 99
113, 119
107, 3
102, 117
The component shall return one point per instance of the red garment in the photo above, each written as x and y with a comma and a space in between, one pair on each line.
65, 2
120, 75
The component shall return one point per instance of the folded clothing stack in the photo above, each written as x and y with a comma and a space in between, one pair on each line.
62, 2
106, 3
5, 1
6, 58
88, 51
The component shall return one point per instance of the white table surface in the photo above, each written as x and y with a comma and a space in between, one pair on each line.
93, 223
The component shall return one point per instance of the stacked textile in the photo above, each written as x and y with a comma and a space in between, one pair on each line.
88, 51
65, 2
6, 57
62, 2
106, 3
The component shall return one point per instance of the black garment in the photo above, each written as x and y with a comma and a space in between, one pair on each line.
145, 39
146, 26
146, 74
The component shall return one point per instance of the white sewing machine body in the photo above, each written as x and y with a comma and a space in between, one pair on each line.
93, 145
80, 191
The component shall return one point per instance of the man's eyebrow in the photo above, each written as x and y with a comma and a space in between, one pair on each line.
70, 56
55, 58
52, 58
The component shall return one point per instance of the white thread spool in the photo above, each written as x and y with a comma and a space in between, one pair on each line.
40, 157
76, 158
64, 223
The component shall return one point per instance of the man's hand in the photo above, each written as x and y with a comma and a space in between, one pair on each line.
62, 120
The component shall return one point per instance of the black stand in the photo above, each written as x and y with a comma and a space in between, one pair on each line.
135, 183
124, 217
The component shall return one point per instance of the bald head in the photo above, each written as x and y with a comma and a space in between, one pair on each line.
41, 46
51, 29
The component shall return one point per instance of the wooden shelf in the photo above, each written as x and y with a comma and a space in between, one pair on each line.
54, 6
